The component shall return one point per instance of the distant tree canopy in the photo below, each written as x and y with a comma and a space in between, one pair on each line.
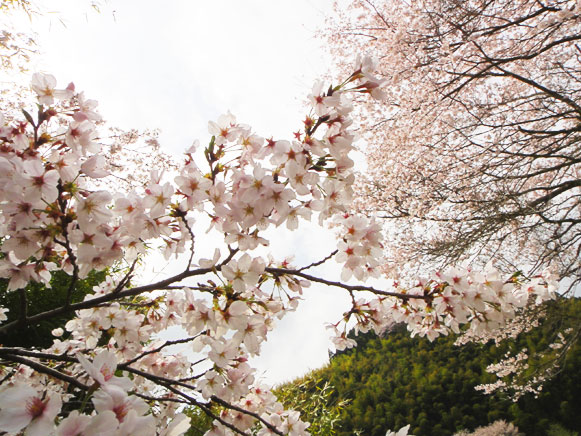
475, 152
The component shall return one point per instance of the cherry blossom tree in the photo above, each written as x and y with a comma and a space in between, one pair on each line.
473, 156
474, 153
108, 370
496, 428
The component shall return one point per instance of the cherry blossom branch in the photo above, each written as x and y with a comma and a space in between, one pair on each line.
125, 280
158, 349
150, 398
493, 29
192, 237
194, 377
246, 412
162, 284
350, 288
7, 376
38, 355
117, 294
64, 221
542, 88
162, 381
322, 261
167, 383
46, 370
158, 378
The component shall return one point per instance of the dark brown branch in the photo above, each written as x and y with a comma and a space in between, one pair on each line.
221, 402
320, 262
167, 383
540, 87
36, 354
350, 288
125, 280
158, 349
558, 190
46, 370
116, 295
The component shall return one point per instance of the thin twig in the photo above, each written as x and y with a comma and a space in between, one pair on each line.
322, 261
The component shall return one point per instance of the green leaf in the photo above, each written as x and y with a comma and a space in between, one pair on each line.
28, 117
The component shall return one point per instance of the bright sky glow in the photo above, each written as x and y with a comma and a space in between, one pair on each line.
176, 65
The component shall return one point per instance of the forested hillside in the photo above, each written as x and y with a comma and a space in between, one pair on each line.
396, 380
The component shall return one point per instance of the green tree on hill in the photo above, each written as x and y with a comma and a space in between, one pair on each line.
395, 380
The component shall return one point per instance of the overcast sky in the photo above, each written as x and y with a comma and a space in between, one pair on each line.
175, 65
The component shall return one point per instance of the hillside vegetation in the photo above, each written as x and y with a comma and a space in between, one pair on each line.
395, 380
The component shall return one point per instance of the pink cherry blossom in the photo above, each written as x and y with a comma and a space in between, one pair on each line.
44, 86
243, 272
22, 407
102, 369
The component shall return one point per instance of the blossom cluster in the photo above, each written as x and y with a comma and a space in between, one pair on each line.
442, 304
510, 369
110, 357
